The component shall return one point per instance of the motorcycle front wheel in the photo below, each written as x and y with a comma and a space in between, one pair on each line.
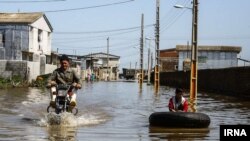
49, 109
74, 111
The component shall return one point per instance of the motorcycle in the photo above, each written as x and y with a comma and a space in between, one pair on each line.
62, 100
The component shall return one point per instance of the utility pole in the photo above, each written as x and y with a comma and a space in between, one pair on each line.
57, 58
91, 62
194, 48
141, 52
157, 51
187, 49
149, 66
108, 59
135, 69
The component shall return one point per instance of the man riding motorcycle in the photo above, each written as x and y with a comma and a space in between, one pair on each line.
63, 75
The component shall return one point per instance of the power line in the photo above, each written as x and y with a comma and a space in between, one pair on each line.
89, 7
31, 1
169, 18
117, 45
112, 30
174, 17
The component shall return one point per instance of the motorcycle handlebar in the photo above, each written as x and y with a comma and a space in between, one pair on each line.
68, 87
65, 86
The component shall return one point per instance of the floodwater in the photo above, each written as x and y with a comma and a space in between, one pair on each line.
111, 111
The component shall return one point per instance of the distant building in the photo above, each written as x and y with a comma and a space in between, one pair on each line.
169, 59
27, 37
209, 57
98, 64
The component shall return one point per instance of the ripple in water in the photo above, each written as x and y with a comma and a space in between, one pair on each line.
69, 120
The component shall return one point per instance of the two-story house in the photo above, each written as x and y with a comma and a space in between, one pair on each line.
25, 42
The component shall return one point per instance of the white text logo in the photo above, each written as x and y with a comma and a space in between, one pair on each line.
235, 132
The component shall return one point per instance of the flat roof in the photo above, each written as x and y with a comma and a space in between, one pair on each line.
210, 48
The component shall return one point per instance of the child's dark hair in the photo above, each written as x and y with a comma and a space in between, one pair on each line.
179, 90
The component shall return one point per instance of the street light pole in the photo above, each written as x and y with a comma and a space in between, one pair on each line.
157, 51
194, 56
149, 71
108, 77
181, 6
141, 52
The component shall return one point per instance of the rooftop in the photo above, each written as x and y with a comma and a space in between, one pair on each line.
211, 48
19, 17
23, 18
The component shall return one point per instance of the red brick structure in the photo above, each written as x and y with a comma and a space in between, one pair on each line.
168, 60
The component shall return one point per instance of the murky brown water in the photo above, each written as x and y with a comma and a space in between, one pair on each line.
111, 111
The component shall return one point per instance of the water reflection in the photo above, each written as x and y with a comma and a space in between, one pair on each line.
193, 105
176, 134
62, 133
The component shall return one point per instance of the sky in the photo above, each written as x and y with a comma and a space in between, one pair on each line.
81, 27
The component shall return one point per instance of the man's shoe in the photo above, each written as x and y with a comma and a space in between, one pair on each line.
72, 103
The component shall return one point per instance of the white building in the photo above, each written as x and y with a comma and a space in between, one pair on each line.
210, 57
24, 35
27, 37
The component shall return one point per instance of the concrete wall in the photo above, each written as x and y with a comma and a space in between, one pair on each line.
26, 69
49, 68
12, 68
34, 70
228, 81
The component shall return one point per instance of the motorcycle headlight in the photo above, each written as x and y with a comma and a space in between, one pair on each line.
61, 93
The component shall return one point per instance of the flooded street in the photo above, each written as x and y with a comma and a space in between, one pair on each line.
111, 111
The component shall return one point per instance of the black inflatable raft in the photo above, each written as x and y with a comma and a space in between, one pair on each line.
179, 119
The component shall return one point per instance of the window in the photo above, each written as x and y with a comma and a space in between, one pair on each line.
40, 47
228, 55
216, 55
2, 39
176, 67
202, 59
48, 59
222, 56
40, 36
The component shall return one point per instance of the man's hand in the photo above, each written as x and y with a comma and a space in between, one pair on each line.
78, 86
74, 84
50, 84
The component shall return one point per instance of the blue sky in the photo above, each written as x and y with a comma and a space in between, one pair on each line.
85, 30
